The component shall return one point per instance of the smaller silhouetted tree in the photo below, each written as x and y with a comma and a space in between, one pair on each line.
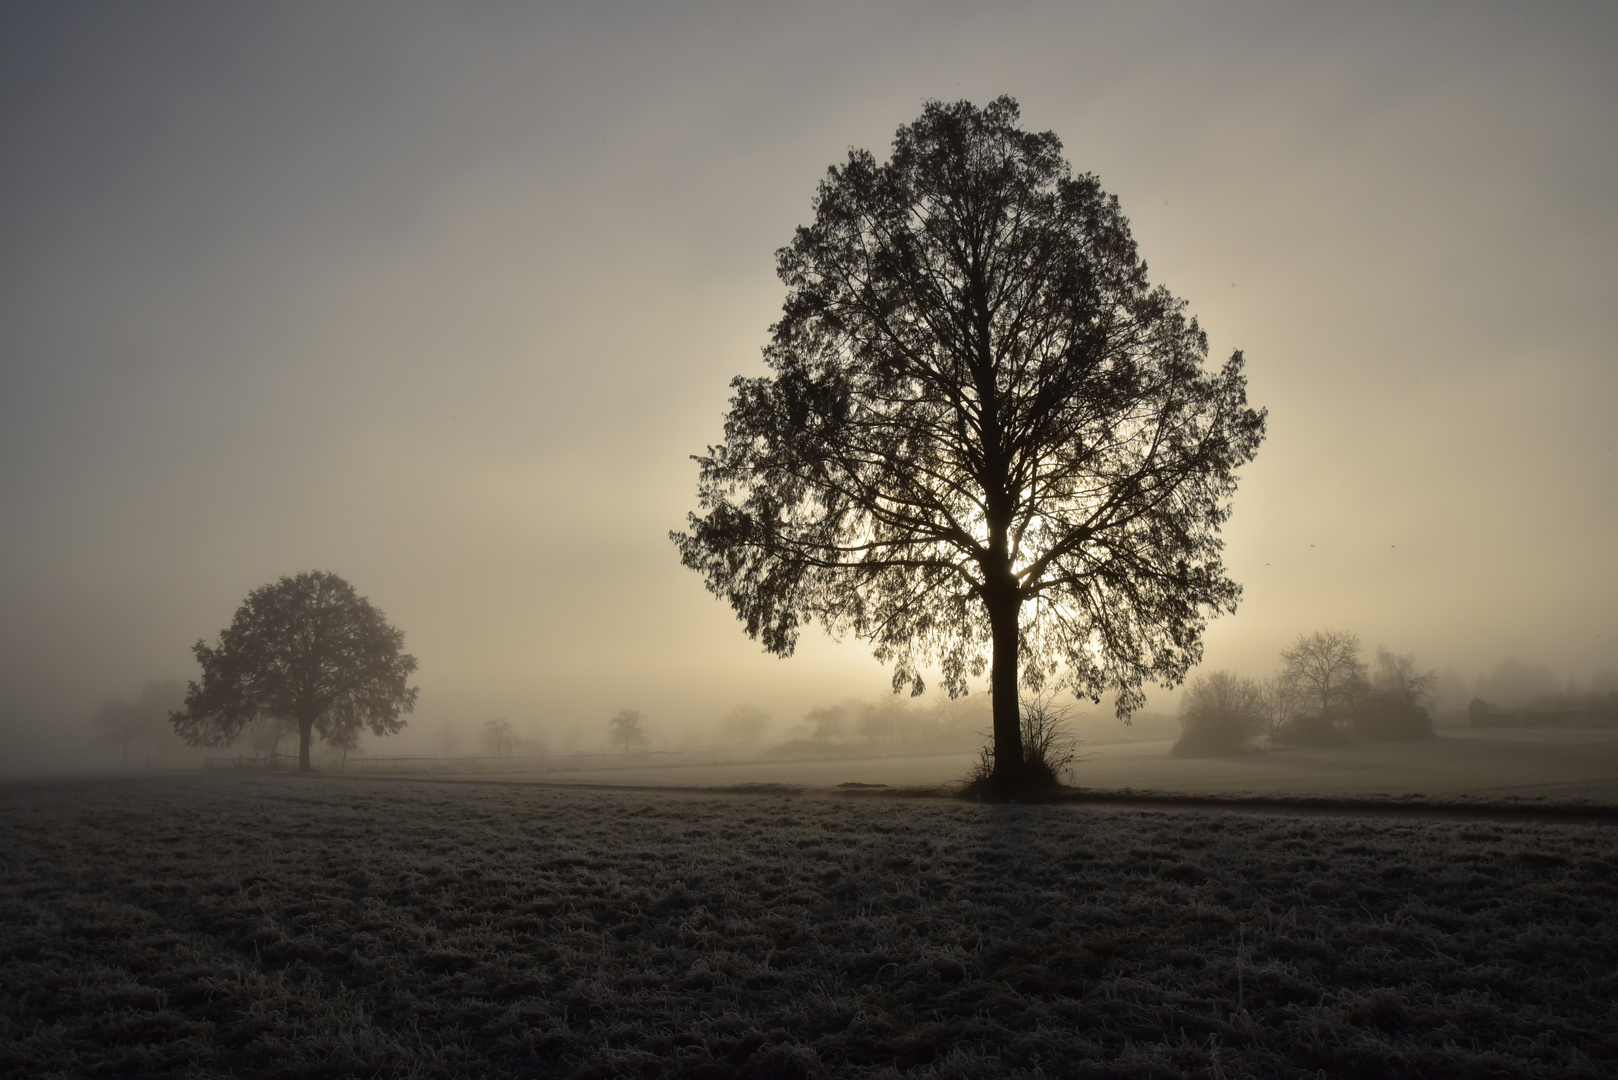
1396, 706
498, 737
1221, 713
628, 729
745, 725
116, 723
1396, 674
1323, 669
826, 723
1281, 704
307, 650
121, 723
447, 740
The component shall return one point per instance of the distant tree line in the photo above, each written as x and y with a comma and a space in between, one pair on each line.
889, 723
1570, 709
1323, 694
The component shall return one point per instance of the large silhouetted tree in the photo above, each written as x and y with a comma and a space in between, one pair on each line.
308, 650
984, 434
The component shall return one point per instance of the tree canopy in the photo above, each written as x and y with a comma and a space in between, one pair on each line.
628, 728
984, 435
1221, 713
1324, 667
308, 650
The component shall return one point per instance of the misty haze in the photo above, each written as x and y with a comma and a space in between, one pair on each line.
848, 540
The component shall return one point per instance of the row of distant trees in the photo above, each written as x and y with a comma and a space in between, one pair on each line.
1322, 694
1571, 708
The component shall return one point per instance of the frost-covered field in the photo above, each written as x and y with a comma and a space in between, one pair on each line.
1562, 763
275, 926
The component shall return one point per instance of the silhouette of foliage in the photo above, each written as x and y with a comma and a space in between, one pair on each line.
1593, 708
1311, 729
264, 734
1281, 703
1048, 748
1397, 705
1395, 674
984, 434
121, 723
1385, 717
1221, 713
307, 650
745, 725
628, 729
498, 737
1323, 668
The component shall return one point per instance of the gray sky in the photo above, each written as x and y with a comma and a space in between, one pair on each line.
442, 301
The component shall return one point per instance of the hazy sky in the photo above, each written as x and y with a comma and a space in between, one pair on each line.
443, 299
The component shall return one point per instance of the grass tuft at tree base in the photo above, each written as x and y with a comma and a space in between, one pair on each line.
1047, 750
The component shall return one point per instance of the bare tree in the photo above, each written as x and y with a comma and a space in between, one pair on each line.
1396, 674
985, 435
1221, 713
1324, 668
1281, 703
628, 729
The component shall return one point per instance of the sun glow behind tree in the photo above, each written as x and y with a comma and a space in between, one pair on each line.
986, 434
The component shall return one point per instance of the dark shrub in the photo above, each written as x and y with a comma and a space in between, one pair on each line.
1221, 713
1315, 730
1390, 717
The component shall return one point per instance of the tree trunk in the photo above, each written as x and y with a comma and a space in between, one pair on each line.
1008, 771
306, 730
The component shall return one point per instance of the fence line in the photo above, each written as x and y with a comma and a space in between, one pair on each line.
267, 760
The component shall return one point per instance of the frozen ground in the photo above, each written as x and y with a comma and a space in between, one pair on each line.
241, 924
1563, 763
